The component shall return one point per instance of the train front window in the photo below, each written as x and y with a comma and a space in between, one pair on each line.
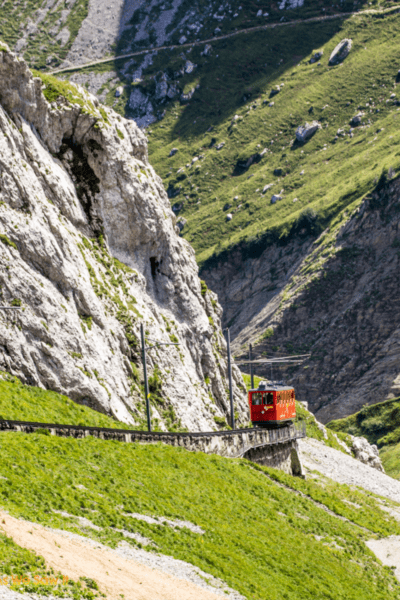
256, 399
269, 398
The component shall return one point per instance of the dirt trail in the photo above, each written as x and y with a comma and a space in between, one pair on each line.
227, 35
115, 575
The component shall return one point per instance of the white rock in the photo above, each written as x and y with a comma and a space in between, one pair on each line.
119, 91
229, 217
304, 132
182, 39
275, 198
79, 332
340, 52
267, 187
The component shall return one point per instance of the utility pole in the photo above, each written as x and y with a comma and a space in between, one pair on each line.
146, 384
251, 367
230, 379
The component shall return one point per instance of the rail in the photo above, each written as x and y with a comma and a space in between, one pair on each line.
234, 443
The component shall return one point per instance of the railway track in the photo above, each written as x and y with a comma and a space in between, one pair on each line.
233, 444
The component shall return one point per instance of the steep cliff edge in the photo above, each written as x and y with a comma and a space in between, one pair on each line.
89, 249
335, 296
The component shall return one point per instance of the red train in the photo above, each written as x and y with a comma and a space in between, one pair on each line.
271, 406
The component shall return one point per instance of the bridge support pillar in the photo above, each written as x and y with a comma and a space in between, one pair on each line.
284, 456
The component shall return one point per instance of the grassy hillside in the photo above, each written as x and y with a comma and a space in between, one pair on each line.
380, 424
319, 180
293, 547
28, 403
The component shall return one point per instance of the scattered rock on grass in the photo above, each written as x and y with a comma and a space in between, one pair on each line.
275, 198
356, 120
220, 145
274, 91
229, 217
267, 187
304, 132
340, 52
278, 172
316, 56
227, 206
173, 152
182, 39
119, 91
207, 50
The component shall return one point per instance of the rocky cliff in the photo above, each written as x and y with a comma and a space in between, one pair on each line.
89, 249
335, 296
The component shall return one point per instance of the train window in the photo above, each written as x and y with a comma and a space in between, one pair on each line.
278, 398
256, 399
269, 398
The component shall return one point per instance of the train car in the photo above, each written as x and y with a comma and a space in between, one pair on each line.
272, 405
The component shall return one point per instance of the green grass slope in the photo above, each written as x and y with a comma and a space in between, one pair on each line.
259, 533
380, 424
21, 402
319, 180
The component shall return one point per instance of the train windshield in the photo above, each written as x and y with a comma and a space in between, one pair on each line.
256, 398
268, 398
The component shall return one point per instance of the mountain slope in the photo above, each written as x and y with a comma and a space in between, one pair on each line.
380, 424
299, 541
89, 250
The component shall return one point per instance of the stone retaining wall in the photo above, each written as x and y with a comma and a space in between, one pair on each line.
270, 447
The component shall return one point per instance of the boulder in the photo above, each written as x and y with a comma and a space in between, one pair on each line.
278, 172
119, 91
189, 67
275, 198
229, 217
207, 50
227, 206
340, 52
304, 132
267, 187
316, 56
220, 145
181, 222
274, 91
366, 453
173, 152
356, 120
182, 39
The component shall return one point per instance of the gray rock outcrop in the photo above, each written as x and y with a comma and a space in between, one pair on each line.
340, 52
90, 249
306, 131
366, 453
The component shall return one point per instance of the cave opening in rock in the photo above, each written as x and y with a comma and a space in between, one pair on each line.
87, 184
154, 264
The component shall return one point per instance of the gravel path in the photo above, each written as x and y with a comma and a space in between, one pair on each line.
344, 469
128, 572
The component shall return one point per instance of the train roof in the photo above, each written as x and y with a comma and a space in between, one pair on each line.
273, 388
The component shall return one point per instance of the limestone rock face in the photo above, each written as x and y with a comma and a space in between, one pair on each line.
345, 313
90, 249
